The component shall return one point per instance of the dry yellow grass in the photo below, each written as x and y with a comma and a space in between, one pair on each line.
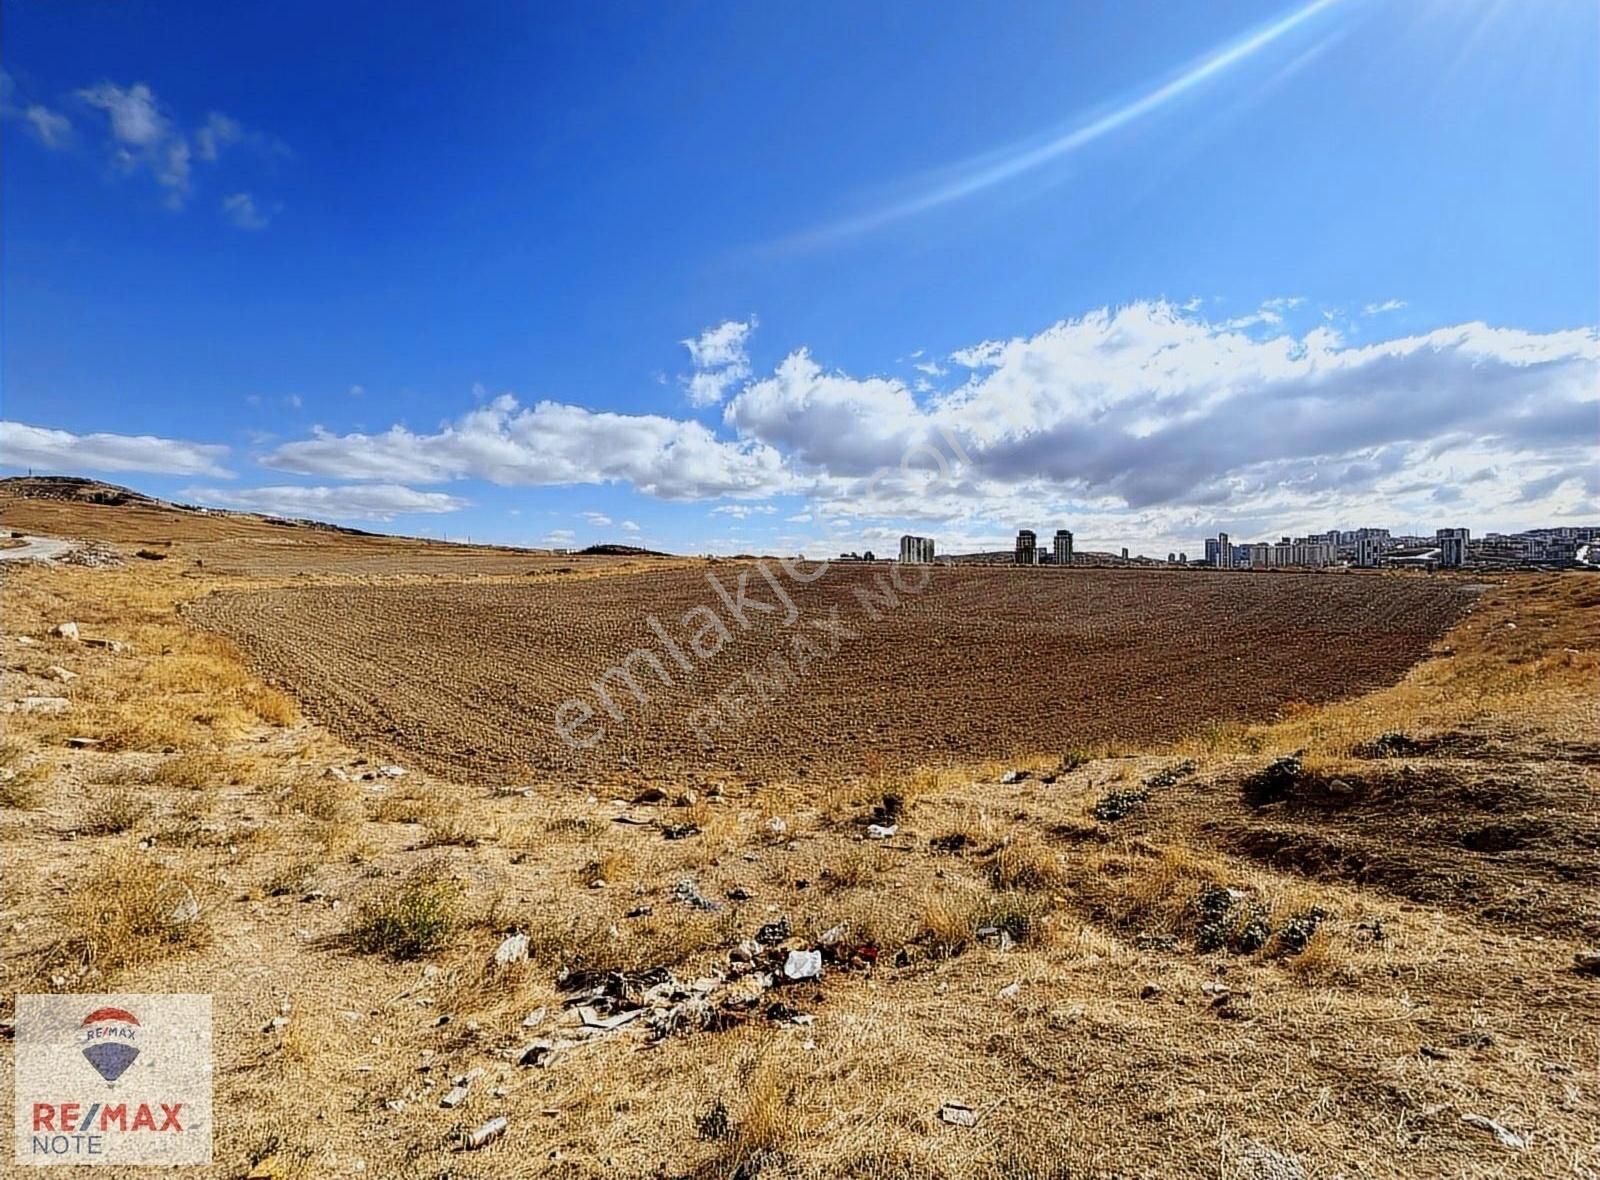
1315, 1055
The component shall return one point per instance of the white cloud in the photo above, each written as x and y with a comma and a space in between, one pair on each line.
550, 443
1386, 305
49, 450
143, 137
597, 520
1143, 425
931, 368
242, 211
629, 526
720, 361
1146, 419
559, 537
52, 127
217, 132
344, 502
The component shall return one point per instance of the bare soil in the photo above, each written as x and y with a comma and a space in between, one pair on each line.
981, 663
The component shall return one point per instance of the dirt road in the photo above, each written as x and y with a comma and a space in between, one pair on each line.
38, 549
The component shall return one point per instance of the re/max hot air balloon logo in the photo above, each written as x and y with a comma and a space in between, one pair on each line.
113, 1079
111, 1041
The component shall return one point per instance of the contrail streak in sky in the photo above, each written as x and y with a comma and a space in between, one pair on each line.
986, 172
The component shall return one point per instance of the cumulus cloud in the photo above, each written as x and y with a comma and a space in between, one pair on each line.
1151, 414
719, 359
1145, 421
46, 450
547, 444
344, 502
242, 211
142, 136
597, 520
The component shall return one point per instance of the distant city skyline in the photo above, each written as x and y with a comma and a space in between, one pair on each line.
1152, 271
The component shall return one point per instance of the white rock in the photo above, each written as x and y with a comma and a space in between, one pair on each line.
513, 950
57, 672
64, 631
777, 826
1008, 992
392, 771
882, 831
534, 1019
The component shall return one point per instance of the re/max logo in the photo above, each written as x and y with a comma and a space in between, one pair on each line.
73, 1118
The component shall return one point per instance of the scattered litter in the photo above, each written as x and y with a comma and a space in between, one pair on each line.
680, 831
802, 965
187, 907
995, 937
958, 1114
772, 933
1506, 1138
689, 894
777, 826
635, 821
82, 743
882, 831
453, 1099
486, 1134
593, 1019
1012, 776
1008, 992
392, 771
44, 704
513, 950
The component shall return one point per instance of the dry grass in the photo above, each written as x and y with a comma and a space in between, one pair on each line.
22, 778
1025, 862
414, 917
132, 911
1071, 1073
111, 812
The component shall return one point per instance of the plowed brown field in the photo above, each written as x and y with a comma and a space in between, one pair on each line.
980, 663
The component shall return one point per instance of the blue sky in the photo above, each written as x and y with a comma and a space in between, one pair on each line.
729, 278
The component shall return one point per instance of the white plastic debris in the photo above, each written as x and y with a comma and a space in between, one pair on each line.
392, 771
882, 831
958, 1114
1506, 1138
488, 1133
802, 965
777, 826
1008, 992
